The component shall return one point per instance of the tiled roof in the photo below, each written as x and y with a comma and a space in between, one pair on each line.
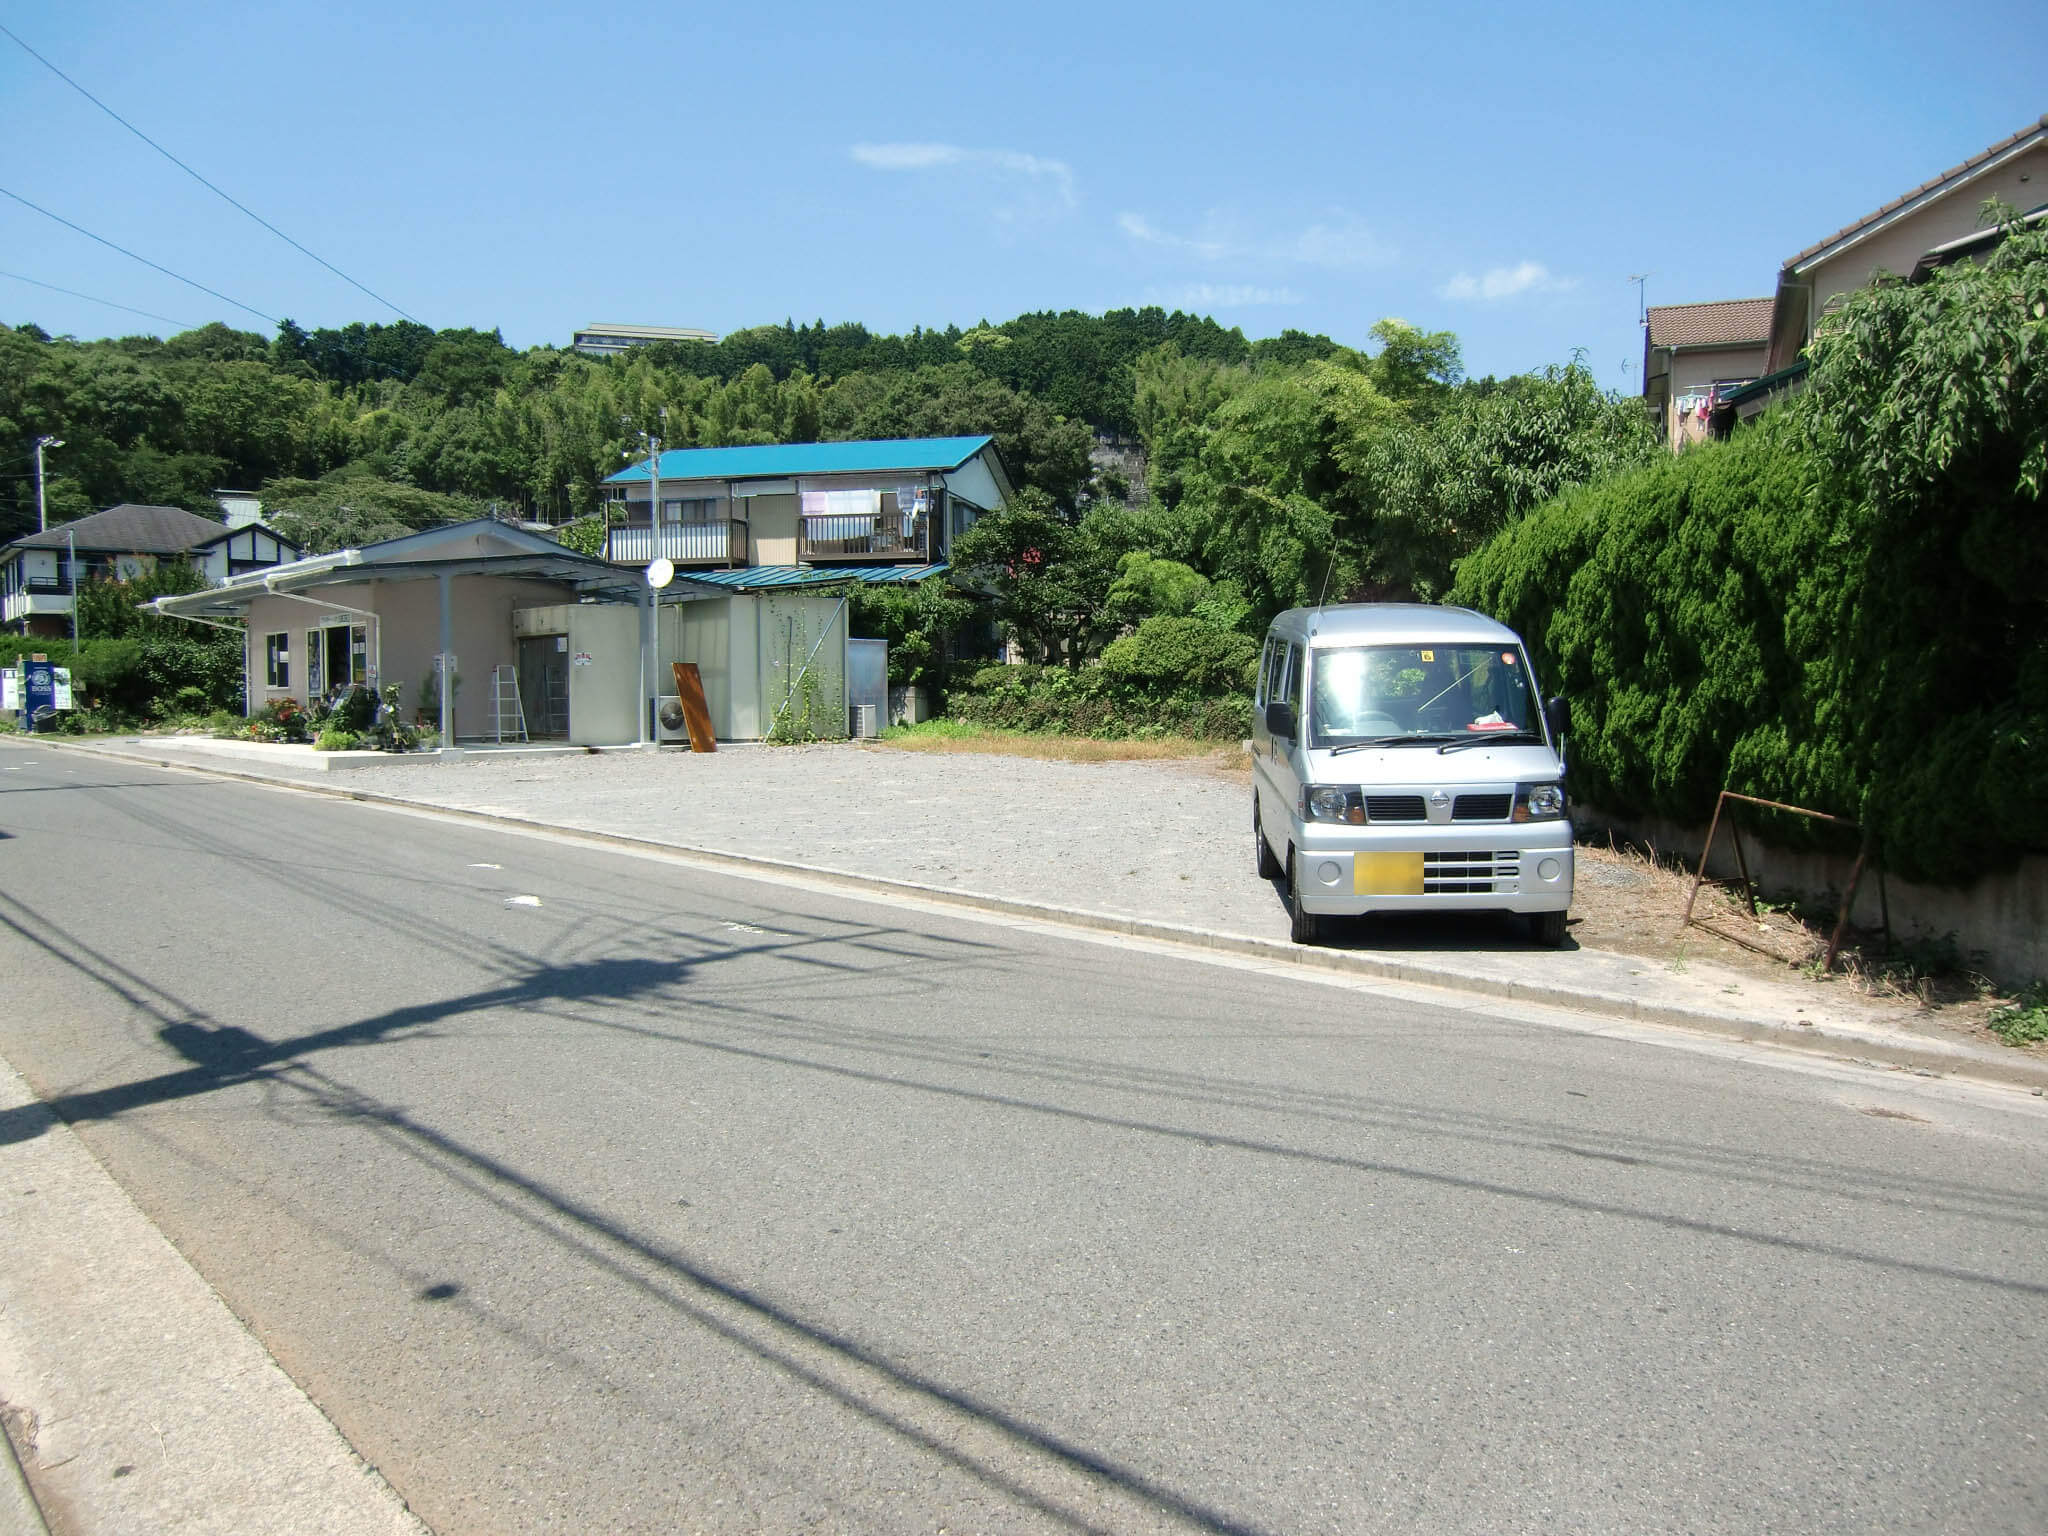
1723, 323
777, 461
130, 529
2034, 130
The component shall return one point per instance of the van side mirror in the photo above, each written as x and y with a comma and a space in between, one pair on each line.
1280, 719
1559, 713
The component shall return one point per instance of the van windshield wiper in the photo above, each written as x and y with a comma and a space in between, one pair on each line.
1428, 740
1488, 739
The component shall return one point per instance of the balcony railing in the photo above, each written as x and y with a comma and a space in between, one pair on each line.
34, 597
889, 536
721, 543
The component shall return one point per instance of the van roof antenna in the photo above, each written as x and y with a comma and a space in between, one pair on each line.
1328, 566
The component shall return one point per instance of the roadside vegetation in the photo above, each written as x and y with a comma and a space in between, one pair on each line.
954, 735
1845, 607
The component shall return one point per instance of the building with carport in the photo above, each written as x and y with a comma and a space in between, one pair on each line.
387, 613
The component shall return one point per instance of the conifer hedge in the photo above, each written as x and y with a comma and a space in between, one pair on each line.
1845, 607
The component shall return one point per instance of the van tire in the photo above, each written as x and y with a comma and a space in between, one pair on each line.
1547, 928
1303, 926
1269, 867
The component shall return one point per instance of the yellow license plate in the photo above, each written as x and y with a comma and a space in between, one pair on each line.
1386, 874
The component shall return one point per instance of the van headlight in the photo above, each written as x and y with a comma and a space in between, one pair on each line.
1539, 802
1328, 802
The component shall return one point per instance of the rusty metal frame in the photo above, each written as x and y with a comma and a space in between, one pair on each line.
1699, 878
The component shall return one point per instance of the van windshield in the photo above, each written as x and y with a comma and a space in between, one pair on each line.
1420, 693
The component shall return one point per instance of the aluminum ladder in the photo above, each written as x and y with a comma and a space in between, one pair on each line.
508, 717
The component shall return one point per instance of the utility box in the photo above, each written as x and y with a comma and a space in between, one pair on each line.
867, 685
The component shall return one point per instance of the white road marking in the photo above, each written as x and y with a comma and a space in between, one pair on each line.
486, 866
522, 901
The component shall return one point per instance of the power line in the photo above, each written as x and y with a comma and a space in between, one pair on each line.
150, 313
167, 272
181, 165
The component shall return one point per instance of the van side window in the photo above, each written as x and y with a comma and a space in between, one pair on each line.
1266, 670
1291, 688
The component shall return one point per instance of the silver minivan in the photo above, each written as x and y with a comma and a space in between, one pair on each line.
1402, 762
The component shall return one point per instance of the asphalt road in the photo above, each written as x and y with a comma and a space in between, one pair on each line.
592, 1192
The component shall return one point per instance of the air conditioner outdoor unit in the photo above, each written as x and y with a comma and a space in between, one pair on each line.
669, 722
862, 721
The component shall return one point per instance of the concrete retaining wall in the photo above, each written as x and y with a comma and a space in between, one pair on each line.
2000, 924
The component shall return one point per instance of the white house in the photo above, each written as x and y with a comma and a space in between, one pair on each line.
38, 577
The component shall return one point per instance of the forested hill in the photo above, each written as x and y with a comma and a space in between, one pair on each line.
456, 413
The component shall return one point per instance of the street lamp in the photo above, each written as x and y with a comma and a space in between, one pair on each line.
42, 511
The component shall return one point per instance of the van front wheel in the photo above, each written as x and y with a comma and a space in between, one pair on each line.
1303, 926
1268, 866
1547, 928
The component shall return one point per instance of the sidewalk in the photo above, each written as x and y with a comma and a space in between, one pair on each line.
137, 1400
1161, 849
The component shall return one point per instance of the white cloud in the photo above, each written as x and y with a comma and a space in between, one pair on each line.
1339, 242
1053, 176
1343, 244
1498, 283
1220, 296
1141, 229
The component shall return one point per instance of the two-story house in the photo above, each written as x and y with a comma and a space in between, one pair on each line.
807, 508
1696, 355
40, 573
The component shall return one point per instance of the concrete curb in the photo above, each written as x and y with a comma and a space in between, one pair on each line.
20, 1515
1935, 1057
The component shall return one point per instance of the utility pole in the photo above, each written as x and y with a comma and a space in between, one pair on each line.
42, 508
650, 676
71, 571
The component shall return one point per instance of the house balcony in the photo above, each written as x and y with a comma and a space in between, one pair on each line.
889, 536
719, 543
39, 596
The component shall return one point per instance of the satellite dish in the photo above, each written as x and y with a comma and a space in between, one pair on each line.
660, 573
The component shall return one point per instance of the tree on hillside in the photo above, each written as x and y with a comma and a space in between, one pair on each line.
1430, 492
349, 512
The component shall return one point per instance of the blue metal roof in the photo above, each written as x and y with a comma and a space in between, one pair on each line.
750, 577
896, 455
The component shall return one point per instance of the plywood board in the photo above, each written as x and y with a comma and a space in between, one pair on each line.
696, 713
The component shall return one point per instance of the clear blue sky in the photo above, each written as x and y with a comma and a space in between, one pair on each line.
1494, 170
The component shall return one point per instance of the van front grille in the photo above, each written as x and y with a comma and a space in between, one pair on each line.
1482, 807
1394, 808
1470, 873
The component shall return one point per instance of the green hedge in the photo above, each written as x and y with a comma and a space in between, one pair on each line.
1094, 702
145, 675
1735, 617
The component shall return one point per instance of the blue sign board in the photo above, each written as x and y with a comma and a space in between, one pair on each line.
39, 694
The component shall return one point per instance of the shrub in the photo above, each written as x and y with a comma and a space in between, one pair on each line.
1735, 617
1171, 655
1094, 702
279, 720
334, 739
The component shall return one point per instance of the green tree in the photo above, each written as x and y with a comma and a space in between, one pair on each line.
1050, 578
920, 620
349, 512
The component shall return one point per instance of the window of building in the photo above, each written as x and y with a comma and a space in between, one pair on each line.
695, 510
277, 660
